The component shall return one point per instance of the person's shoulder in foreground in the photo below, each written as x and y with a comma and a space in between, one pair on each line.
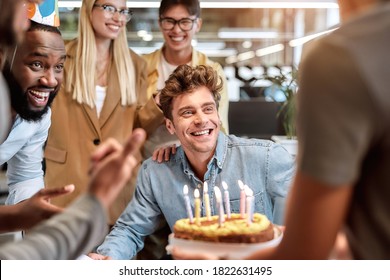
342, 176
83, 225
353, 131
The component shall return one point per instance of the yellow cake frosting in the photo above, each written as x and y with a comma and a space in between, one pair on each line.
232, 230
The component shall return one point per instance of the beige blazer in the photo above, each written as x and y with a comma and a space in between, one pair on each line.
76, 131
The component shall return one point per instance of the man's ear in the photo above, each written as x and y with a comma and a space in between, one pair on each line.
169, 125
199, 25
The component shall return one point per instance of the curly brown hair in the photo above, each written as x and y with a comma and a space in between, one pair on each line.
186, 79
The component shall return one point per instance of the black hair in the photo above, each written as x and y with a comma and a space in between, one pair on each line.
192, 6
43, 27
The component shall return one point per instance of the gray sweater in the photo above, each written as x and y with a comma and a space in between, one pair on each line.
68, 235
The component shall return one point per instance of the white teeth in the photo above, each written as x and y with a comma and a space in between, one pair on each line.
113, 27
204, 132
40, 94
177, 39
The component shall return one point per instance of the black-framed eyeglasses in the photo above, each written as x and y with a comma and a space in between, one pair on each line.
111, 10
185, 24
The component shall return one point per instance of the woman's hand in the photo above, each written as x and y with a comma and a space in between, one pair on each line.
179, 254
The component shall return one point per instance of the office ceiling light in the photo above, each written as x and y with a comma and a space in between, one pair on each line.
313, 4
69, 4
270, 50
219, 53
246, 44
240, 57
270, 4
300, 41
147, 37
246, 55
141, 33
214, 53
246, 33
231, 59
218, 45
251, 54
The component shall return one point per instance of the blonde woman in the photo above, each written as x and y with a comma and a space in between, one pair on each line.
103, 96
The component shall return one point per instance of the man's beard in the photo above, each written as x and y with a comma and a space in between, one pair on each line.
19, 100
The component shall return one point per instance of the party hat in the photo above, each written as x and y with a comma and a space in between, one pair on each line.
45, 13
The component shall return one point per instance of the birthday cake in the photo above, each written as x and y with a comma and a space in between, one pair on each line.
233, 230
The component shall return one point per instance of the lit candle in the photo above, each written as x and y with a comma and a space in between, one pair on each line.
242, 198
206, 199
249, 202
188, 204
197, 207
218, 198
227, 199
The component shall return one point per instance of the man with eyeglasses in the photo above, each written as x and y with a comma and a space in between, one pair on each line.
179, 21
185, 24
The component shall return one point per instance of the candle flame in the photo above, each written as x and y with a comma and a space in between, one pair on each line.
205, 187
224, 185
185, 189
196, 193
248, 191
241, 184
218, 195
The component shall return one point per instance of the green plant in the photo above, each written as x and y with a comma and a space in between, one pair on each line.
286, 82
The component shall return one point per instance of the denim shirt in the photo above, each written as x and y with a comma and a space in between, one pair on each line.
267, 168
23, 152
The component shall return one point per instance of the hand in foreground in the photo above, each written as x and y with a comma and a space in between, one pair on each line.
341, 250
112, 165
28, 213
95, 256
163, 153
179, 254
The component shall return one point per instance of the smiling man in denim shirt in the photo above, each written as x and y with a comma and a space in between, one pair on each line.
190, 105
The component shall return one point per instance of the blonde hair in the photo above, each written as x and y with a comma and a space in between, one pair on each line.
81, 71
